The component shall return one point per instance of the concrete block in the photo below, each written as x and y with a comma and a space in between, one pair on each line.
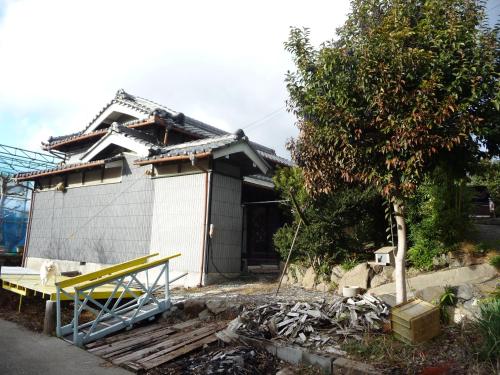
344, 366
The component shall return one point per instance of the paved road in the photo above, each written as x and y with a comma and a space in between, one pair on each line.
23, 352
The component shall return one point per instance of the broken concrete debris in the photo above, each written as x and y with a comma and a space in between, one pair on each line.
314, 324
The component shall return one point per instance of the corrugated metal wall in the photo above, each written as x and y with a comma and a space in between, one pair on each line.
107, 223
178, 219
226, 215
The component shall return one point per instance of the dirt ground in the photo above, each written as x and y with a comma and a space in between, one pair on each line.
453, 352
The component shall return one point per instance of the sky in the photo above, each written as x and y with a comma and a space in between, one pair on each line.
221, 62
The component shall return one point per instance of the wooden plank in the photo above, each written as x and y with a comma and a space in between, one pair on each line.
132, 341
124, 335
214, 328
176, 341
147, 365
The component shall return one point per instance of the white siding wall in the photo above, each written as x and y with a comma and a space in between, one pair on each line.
178, 220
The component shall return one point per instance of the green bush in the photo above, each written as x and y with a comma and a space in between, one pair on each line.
495, 261
488, 324
438, 218
339, 225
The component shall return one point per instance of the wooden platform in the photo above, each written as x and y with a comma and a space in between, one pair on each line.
25, 284
155, 344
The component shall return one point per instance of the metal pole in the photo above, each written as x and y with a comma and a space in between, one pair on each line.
288, 258
167, 291
58, 312
75, 320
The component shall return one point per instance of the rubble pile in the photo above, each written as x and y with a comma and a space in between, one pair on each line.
315, 323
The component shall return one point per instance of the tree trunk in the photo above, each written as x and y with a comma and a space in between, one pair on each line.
401, 253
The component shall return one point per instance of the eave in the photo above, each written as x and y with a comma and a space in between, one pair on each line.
34, 175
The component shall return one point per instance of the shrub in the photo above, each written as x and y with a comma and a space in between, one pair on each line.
448, 298
438, 218
339, 225
488, 324
495, 261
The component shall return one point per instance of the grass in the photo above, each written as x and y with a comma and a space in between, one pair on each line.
455, 348
488, 324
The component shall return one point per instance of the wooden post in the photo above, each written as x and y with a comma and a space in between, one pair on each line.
49, 321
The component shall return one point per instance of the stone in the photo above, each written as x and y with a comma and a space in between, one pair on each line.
384, 277
453, 276
377, 268
472, 307
322, 287
389, 299
193, 307
285, 280
173, 311
216, 306
205, 315
470, 260
465, 292
297, 273
337, 273
359, 276
430, 294
309, 279
346, 366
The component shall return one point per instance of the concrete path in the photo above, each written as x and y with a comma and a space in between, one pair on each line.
23, 352
453, 277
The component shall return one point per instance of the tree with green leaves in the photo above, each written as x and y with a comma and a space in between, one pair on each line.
406, 85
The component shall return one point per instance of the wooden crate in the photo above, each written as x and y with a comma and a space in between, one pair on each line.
415, 321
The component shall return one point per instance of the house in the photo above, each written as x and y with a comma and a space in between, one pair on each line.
141, 178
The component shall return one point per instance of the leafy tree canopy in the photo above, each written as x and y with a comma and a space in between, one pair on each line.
407, 83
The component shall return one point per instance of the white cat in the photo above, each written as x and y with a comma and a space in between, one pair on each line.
48, 269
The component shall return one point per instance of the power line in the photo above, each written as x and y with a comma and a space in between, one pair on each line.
264, 118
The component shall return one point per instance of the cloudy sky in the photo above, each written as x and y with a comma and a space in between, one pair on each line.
221, 62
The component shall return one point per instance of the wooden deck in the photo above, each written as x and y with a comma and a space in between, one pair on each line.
25, 284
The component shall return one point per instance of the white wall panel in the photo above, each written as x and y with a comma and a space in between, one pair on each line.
178, 219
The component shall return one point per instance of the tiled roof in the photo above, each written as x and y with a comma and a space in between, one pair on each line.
200, 146
22, 176
138, 136
175, 119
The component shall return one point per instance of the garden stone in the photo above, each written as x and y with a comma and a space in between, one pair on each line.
205, 315
359, 276
193, 307
216, 306
321, 287
383, 277
285, 280
337, 273
430, 294
465, 292
472, 306
440, 261
309, 279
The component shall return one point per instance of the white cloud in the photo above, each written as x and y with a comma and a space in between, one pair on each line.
220, 61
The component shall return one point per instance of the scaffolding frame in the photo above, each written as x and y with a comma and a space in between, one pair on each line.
14, 197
